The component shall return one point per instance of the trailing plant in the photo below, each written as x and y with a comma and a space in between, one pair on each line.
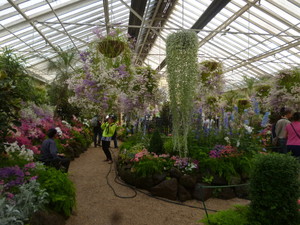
115, 46
210, 86
275, 189
60, 188
156, 143
182, 68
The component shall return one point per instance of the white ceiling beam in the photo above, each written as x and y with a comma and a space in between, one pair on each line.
7, 5
231, 19
25, 9
143, 23
66, 32
31, 23
46, 14
148, 31
61, 32
270, 33
264, 55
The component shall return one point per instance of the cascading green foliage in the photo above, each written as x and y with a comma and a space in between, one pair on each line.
182, 68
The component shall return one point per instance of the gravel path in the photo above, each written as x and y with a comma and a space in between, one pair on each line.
97, 205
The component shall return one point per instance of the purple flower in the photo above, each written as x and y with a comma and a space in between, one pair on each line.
113, 33
34, 178
84, 55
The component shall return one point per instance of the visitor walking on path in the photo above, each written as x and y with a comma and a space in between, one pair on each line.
293, 135
280, 130
108, 129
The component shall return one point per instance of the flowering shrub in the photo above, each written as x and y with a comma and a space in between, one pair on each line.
12, 177
146, 163
285, 90
222, 151
185, 164
113, 83
35, 121
15, 151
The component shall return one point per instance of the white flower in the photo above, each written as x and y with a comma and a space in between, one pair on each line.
227, 140
66, 123
12, 148
59, 131
248, 128
238, 143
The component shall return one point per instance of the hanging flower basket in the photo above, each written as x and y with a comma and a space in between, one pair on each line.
111, 48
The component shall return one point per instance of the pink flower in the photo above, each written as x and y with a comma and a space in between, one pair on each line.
10, 195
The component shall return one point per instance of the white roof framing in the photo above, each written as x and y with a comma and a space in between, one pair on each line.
250, 37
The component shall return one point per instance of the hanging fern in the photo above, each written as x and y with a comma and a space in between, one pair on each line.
182, 71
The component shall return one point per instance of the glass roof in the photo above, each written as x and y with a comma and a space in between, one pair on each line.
251, 38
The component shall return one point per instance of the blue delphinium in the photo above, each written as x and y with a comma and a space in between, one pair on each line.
265, 119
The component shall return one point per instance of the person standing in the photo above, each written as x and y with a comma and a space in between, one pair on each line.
115, 139
293, 135
108, 129
280, 129
96, 124
49, 154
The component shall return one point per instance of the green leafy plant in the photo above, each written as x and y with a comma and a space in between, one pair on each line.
156, 143
165, 117
274, 190
168, 146
208, 179
60, 189
237, 216
182, 68
148, 166
58, 92
138, 138
19, 209
129, 153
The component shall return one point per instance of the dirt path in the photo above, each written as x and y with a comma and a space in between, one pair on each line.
97, 205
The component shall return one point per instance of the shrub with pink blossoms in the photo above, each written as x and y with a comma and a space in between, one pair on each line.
223, 151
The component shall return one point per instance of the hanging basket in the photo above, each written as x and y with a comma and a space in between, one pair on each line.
111, 48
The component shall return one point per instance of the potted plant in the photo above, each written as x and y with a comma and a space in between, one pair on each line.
113, 44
